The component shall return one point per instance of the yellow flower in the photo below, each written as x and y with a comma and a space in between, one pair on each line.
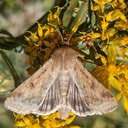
118, 4
40, 30
120, 41
123, 91
26, 121
100, 4
95, 35
111, 54
104, 25
115, 47
103, 59
54, 120
54, 18
117, 14
50, 121
40, 46
121, 25
34, 36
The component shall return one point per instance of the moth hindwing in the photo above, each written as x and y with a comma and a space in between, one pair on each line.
61, 84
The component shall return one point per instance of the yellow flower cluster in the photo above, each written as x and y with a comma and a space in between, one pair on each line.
42, 43
107, 18
114, 44
51, 121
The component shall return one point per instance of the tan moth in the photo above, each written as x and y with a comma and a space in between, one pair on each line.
62, 84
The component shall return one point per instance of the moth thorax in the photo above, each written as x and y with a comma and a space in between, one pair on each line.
64, 79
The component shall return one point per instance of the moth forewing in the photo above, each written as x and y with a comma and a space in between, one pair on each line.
30, 94
61, 84
94, 95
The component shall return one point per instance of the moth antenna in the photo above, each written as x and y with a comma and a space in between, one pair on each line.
66, 40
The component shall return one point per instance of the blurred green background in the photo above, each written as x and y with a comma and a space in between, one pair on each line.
16, 16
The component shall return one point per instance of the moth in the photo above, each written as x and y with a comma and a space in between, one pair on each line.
62, 84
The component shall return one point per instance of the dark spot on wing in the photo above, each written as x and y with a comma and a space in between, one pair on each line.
44, 71
16, 94
31, 85
106, 94
93, 85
